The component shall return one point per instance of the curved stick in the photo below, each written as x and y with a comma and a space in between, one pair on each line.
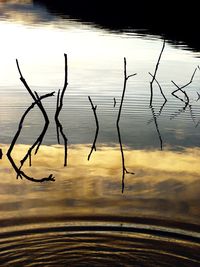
97, 128
18, 171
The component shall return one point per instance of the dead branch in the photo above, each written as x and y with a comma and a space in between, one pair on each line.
94, 108
59, 106
157, 128
38, 103
18, 171
177, 113
158, 114
155, 72
180, 88
115, 102
38, 141
184, 92
159, 86
124, 170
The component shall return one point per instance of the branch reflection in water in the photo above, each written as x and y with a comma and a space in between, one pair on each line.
59, 106
94, 108
124, 170
154, 77
156, 125
18, 170
180, 88
92, 187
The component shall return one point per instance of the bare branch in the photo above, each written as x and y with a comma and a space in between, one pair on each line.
58, 110
155, 72
18, 171
124, 170
94, 108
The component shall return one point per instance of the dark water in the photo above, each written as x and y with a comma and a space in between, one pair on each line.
83, 218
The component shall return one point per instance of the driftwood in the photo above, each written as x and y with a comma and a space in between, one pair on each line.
124, 170
59, 127
1, 153
94, 108
154, 76
18, 170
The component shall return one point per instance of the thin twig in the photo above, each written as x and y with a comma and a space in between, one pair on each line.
159, 86
124, 170
39, 104
18, 171
94, 108
115, 102
157, 128
176, 114
184, 92
158, 114
179, 88
155, 72
58, 110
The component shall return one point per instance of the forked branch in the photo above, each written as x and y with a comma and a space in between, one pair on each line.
124, 170
18, 170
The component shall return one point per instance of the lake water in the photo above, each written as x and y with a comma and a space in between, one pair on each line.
83, 218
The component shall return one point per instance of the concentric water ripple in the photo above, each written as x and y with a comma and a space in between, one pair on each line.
87, 241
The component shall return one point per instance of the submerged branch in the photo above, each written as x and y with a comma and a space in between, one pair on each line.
154, 75
59, 106
157, 128
159, 86
94, 108
180, 88
18, 171
124, 170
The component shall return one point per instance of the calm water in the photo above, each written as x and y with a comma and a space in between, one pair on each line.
82, 218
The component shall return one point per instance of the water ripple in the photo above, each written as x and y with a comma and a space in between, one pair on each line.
98, 241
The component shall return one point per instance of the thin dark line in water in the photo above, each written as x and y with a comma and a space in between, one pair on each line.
37, 143
177, 113
157, 127
180, 88
18, 171
154, 75
94, 108
59, 106
124, 170
159, 87
104, 228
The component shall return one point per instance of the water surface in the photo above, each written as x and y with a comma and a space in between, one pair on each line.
82, 218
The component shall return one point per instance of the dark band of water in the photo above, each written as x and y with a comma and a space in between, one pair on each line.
98, 241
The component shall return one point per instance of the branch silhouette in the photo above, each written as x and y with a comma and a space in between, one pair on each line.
154, 75
177, 113
94, 108
59, 105
124, 170
180, 88
157, 127
40, 106
18, 170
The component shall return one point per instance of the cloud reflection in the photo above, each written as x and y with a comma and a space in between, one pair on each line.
166, 183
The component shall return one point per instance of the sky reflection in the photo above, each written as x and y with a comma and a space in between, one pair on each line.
166, 183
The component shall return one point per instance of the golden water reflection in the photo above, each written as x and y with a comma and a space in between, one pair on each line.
166, 184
